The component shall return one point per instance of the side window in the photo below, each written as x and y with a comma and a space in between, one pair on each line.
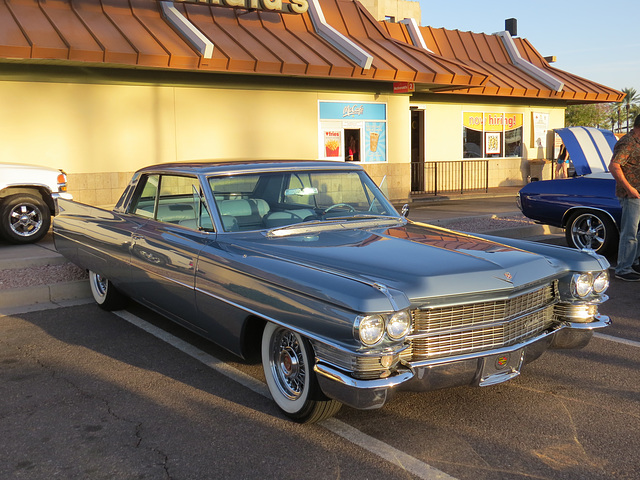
144, 199
176, 202
172, 199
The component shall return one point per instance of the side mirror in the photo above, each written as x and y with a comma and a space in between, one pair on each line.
405, 210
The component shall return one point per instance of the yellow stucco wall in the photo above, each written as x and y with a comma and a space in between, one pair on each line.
99, 133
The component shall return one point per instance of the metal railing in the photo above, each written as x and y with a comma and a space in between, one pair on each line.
434, 178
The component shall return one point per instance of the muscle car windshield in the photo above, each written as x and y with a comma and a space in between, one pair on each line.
280, 199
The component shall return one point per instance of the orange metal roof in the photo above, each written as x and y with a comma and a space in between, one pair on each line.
134, 33
487, 53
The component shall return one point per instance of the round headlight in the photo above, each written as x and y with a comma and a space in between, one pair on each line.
601, 282
371, 329
582, 284
398, 325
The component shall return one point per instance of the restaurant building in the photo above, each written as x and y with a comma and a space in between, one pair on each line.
101, 88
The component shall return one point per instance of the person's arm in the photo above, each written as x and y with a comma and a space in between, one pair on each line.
618, 175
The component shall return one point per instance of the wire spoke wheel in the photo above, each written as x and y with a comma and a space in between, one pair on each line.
287, 361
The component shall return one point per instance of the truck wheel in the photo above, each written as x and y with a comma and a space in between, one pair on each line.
592, 230
24, 219
288, 367
104, 293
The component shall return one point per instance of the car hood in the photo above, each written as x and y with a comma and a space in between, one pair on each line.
418, 260
590, 149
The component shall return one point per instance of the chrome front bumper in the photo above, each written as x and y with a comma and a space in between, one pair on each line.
479, 369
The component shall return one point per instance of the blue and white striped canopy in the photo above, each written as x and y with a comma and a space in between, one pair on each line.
590, 148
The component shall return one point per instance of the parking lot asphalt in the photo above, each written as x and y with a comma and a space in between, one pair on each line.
493, 212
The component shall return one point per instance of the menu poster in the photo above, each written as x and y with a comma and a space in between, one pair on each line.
540, 127
332, 142
375, 142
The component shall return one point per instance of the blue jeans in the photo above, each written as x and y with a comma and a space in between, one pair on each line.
629, 248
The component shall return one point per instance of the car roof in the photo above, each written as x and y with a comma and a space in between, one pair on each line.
212, 167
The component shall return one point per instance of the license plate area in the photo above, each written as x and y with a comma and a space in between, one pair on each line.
501, 367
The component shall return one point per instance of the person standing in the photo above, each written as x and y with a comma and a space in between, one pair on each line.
625, 168
562, 162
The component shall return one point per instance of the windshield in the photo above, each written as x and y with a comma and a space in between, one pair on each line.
277, 199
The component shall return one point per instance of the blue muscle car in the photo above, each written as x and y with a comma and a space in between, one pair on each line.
346, 301
585, 205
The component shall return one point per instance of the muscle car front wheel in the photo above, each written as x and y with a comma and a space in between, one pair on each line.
288, 367
104, 293
593, 231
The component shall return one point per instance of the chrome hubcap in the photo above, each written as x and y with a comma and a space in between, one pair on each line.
589, 233
25, 220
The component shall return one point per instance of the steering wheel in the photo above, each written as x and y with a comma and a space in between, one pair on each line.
338, 205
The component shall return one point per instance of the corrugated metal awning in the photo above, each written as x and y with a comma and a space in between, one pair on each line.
487, 53
134, 33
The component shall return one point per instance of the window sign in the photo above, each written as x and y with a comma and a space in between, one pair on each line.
353, 131
540, 127
332, 142
375, 141
486, 135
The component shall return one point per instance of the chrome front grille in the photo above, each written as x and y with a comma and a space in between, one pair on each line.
461, 329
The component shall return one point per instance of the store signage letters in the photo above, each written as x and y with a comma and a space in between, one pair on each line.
294, 6
352, 110
493, 121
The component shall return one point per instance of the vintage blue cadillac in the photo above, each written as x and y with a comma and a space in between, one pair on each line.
308, 265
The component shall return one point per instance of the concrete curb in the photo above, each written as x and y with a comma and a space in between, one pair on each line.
54, 293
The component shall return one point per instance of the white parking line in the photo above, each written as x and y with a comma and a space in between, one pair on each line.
387, 452
624, 341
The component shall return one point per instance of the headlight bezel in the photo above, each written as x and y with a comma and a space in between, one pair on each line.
365, 327
588, 284
402, 319
602, 277
373, 329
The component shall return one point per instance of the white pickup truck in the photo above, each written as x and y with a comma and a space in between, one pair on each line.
28, 195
